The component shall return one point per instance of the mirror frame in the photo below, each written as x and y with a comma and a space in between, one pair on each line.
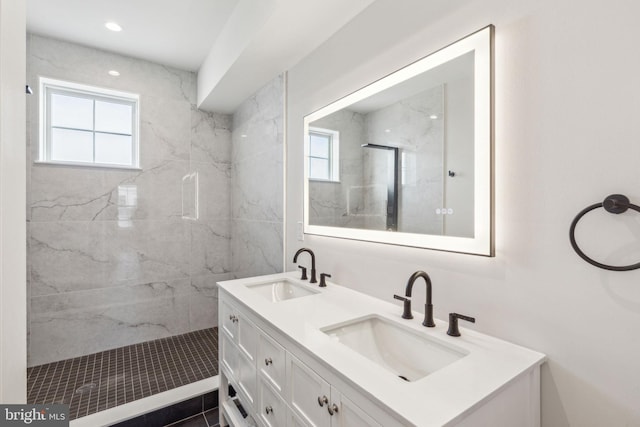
483, 241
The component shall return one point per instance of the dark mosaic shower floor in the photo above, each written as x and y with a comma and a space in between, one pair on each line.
110, 378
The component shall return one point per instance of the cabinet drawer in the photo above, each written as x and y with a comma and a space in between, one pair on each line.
229, 320
272, 363
272, 410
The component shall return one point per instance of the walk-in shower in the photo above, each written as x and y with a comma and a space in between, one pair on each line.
122, 263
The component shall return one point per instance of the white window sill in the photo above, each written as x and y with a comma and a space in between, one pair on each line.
86, 165
329, 181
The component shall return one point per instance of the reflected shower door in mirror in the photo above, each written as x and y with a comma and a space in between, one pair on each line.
407, 159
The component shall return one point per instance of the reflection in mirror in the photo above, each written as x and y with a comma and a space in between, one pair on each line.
406, 160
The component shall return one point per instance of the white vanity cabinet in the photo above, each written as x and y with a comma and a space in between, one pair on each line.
272, 384
302, 356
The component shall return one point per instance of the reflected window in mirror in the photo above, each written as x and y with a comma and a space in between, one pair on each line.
324, 154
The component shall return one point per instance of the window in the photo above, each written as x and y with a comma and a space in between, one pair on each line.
324, 154
87, 125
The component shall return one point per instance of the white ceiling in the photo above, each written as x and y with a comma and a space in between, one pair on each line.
236, 46
170, 32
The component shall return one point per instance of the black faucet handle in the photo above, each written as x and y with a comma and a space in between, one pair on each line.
323, 282
406, 314
304, 272
453, 323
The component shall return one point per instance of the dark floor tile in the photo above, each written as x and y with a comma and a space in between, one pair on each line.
210, 400
197, 421
213, 417
128, 373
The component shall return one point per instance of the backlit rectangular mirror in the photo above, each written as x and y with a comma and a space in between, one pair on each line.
407, 160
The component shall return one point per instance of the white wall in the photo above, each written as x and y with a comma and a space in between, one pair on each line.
13, 296
566, 135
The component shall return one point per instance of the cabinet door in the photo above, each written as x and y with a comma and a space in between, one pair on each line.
229, 356
247, 336
348, 414
309, 394
229, 320
271, 410
272, 363
246, 379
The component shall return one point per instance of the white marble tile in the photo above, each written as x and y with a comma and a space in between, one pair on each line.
148, 250
257, 187
214, 192
66, 256
210, 247
64, 193
203, 301
75, 332
102, 298
154, 193
67, 193
258, 122
203, 311
210, 137
165, 126
79, 255
257, 248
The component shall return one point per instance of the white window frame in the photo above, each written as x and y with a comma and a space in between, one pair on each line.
49, 86
334, 153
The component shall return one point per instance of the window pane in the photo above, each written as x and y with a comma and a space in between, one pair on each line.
113, 117
71, 112
71, 145
113, 149
318, 168
319, 145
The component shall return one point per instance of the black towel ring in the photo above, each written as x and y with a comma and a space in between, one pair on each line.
616, 204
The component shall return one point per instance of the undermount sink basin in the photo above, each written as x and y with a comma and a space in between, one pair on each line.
282, 290
402, 351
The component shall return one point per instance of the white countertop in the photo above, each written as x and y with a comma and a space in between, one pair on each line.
435, 399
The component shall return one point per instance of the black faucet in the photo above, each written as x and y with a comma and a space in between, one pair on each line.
313, 263
428, 307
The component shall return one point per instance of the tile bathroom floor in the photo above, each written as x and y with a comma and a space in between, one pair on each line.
100, 381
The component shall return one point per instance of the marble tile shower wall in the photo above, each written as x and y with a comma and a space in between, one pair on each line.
111, 259
257, 186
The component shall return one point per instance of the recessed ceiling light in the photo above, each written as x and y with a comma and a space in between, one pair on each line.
114, 73
433, 117
113, 26
387, 130
243, 136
